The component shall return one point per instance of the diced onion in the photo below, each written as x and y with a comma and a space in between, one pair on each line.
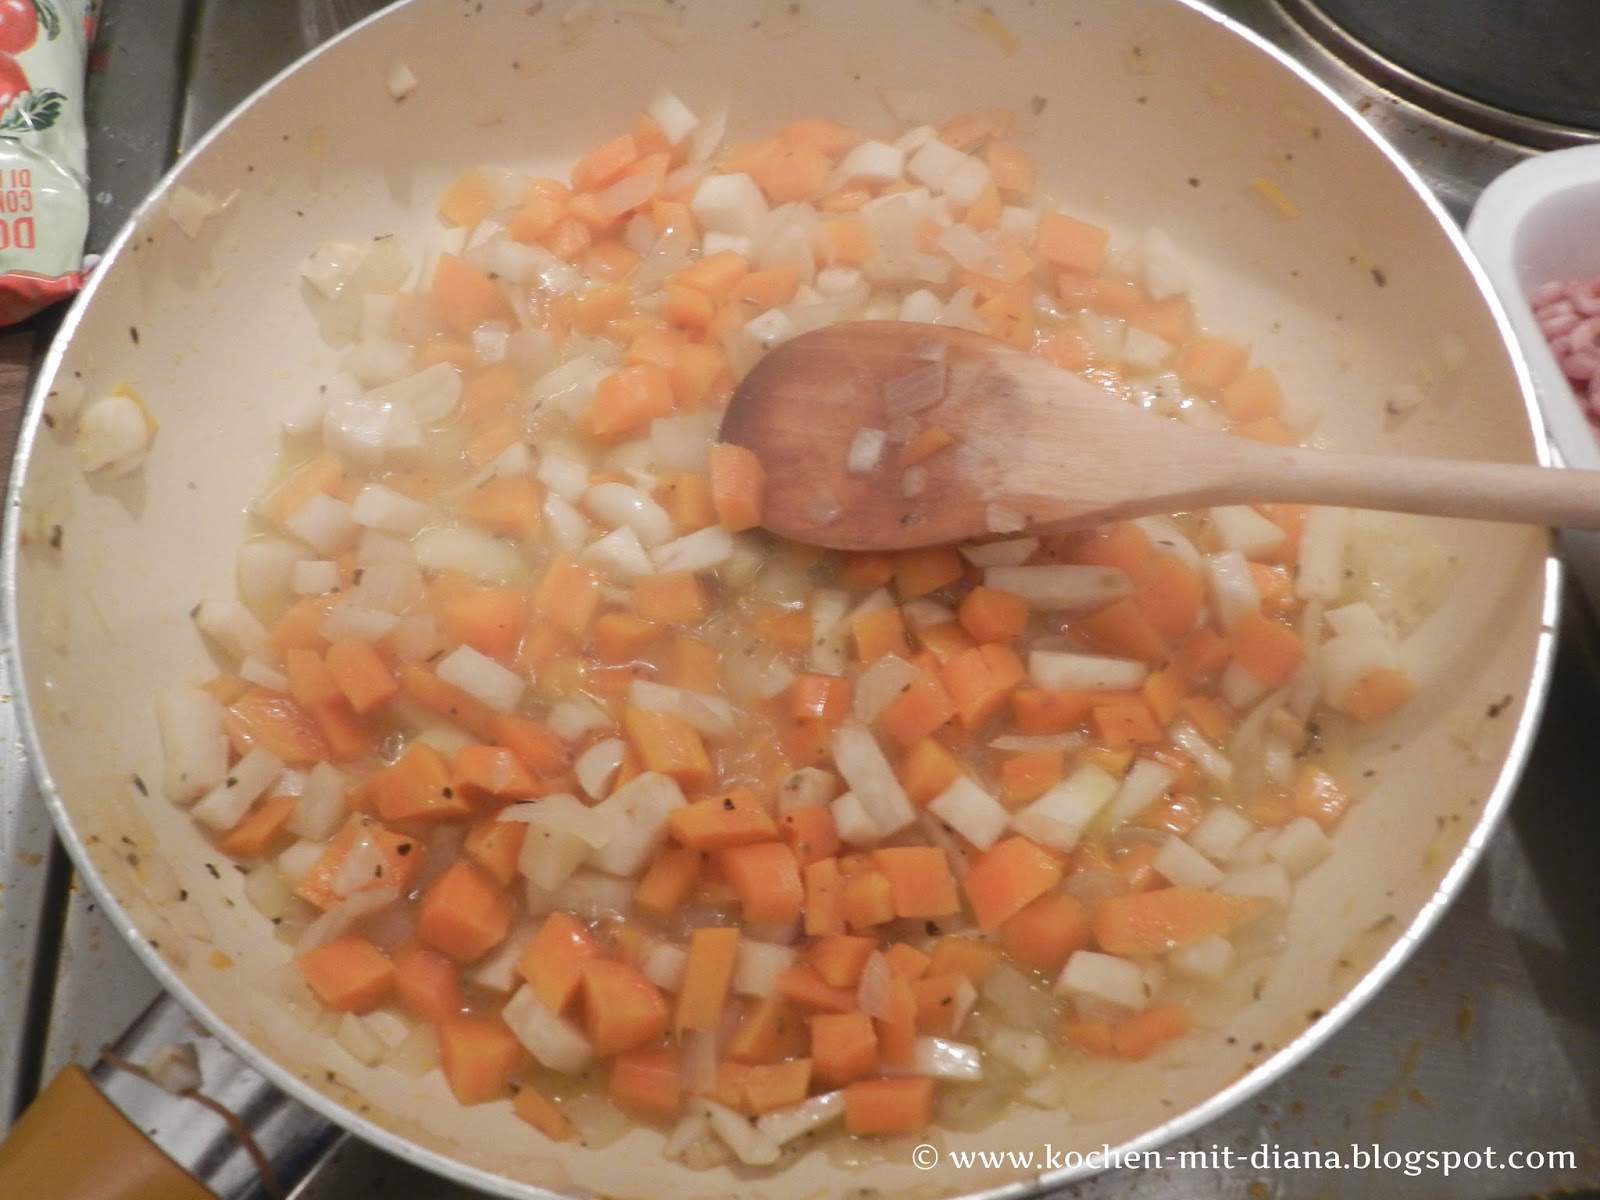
482, 678
1065, 586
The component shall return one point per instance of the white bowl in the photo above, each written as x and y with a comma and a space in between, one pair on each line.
1538, 222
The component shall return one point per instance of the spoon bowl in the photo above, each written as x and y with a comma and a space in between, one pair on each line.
887, 435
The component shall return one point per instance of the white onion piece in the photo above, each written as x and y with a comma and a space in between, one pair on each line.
314, 576
697, 1061
1146, 782
1010, 552
880, 684
574, 717
114, 434
1059, 817
380, 507
194, 748
1065, 670
356, 621
482, 678
253, 670
323, 523
806, 786
1054, 586
321, 806
617, 504
597, 766
665, 965
1324, 541
871, 777
483, 556
1103, 977
875, 989
865, 451
1181, 864
852, 821
1233, 588
1220, 832
758, 964
236, 630
971, 811
552, 1039
787, 1124
941, 1058
697, 551
710, 715
682, 442
1208, 758
222, 807
344, 916
264, 569
747, 1141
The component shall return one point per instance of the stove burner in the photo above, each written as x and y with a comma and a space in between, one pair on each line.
1523, 72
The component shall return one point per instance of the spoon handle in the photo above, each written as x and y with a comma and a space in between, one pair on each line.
1490, 491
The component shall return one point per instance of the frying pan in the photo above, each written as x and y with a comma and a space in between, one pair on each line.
1306, 237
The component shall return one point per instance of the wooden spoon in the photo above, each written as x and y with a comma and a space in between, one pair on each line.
1037, 446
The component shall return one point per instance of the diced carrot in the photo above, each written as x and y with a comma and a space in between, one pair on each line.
509, 505
467, 200
1010, 166
543, 754
362, 676
792, 172
897, 1031
400, 857
906, 961
310, 683
628, 398
687, 307
927, 442
667, 743
1136, 1036
878, 632
648, 1080
770, 1030
1210, 363
693, 664
1202, 654
970, 957
921, 708
1122, 628
417, 786
605, 163
272, 720
823, 698
621, 637
259, 829
811, 833
553, 961
667, 882
1028, 775
1377, 694
701, 376
463, 913
495, 847
1005, 878
927, 768
979, 681
1163, 692
670, 598
622, 1009
599, 306
1038, 711
1092, 1035
767, 288
846, 241
1156, 921
708, 973
824, 898
348, 974
1119, 724
920, 880
448, 701
538, 1110
478, 1055
483, 773
807, 989
738, 486
714, 274
1068, 242
1046, 932
427, 983
922, 572
1176, 812
767, 879
867, 900
844, 1047
992, 615
888, 1106
1270, 430
768, 1087
464, 296
1269, 650
839, 958
1121, 544
487, 393
1252, 395
322, 473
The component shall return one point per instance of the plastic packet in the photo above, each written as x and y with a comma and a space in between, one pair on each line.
44, 195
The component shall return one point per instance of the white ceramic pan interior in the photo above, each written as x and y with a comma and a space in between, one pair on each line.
1308, 240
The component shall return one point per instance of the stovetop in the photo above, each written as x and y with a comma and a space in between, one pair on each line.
1489, 1038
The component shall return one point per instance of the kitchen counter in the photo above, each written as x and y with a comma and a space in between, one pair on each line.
1488, 1038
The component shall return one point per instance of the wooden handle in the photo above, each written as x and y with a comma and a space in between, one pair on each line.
74, 1144
1530, 495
